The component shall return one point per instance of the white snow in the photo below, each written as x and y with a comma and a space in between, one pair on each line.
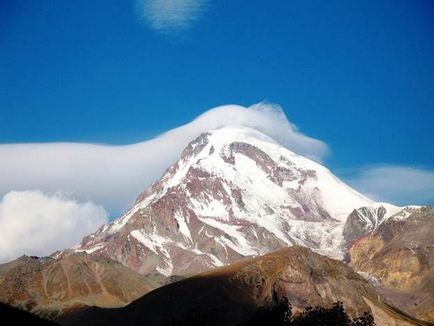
338, 198
152, 241
183, 228
92, 249
240, 245
209, 208
266, 204
369, 215
155, 243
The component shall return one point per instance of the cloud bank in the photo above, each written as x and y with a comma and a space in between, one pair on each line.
34, 223
169, 16
401, 185
114, 175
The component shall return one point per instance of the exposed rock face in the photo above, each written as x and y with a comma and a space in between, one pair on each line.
367, 219
234, 193
399, 254
231, 295
48, 286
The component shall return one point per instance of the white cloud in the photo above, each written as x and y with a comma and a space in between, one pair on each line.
115, 175
171, 15
34, 223
401, 185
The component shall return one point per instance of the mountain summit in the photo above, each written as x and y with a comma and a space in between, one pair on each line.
233, 193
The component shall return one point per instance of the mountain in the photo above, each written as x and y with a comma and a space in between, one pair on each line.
367, 219
234, 193
399, 258
233, 295
48, 286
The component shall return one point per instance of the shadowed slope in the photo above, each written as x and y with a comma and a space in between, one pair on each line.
14, 316
232, 295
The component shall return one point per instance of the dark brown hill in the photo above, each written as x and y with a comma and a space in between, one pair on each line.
233, 295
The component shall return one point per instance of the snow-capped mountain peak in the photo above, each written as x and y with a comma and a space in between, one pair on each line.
366, 219
233, 193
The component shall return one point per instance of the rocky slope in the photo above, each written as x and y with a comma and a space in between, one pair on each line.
399, 257
48, 286
233, 294
234, 193
367, 219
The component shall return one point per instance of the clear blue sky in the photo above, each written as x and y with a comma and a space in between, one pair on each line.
358, 75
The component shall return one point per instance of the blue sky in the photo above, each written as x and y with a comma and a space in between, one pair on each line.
357, 75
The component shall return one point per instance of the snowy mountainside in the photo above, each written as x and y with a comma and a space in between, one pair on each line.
233, 193
367, 219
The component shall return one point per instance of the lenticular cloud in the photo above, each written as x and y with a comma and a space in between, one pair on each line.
114, 175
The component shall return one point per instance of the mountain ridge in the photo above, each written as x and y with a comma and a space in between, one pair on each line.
233, 294
47, 286
234, 193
